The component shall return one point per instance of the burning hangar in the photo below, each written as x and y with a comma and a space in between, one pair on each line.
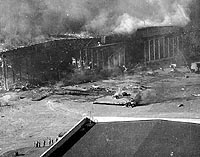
53, 59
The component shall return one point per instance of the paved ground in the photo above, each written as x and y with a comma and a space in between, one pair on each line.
23, 121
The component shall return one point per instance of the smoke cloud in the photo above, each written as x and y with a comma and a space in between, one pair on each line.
26, 21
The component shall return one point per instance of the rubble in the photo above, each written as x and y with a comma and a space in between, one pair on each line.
121, 98
181, 105
162, 69
100, 90
125, 94
74, 88
44, 92
173, 67
195, 67
151, 73
140, 87
138, 98
95, 87
40, 96
70, 92
22, 86
182, 89
118, 94
109, 100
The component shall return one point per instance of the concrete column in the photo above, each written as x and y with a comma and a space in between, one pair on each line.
159, 55
98, 56
149, 46
92, 58
86, 57
145, 55
154, 48
173, 40
168, 49
80, 58
13, 70
164, 47
178, 45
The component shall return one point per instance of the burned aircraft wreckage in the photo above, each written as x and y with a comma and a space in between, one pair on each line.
52, 60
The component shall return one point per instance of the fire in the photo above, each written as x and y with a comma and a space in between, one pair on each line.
24, 22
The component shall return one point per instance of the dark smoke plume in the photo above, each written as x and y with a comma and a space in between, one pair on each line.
27, 21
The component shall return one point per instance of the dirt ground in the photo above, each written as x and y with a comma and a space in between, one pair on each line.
23, 121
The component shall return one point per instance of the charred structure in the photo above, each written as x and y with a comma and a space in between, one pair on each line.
161, 43
42, 62
53, 60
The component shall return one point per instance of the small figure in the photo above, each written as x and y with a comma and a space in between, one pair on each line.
44, 143
125, 68
34, 144
16, 153
99, 43
49, 141
39, 144
52, 142
56, 139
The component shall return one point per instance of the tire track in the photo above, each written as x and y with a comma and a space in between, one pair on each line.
65, 111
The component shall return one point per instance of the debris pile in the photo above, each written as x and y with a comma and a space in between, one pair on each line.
71, 91
173, 67
41, 93
137, 96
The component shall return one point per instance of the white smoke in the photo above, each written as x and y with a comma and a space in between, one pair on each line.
25, 21
128, 24
174, 14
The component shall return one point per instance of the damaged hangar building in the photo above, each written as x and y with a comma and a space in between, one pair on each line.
53, 60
